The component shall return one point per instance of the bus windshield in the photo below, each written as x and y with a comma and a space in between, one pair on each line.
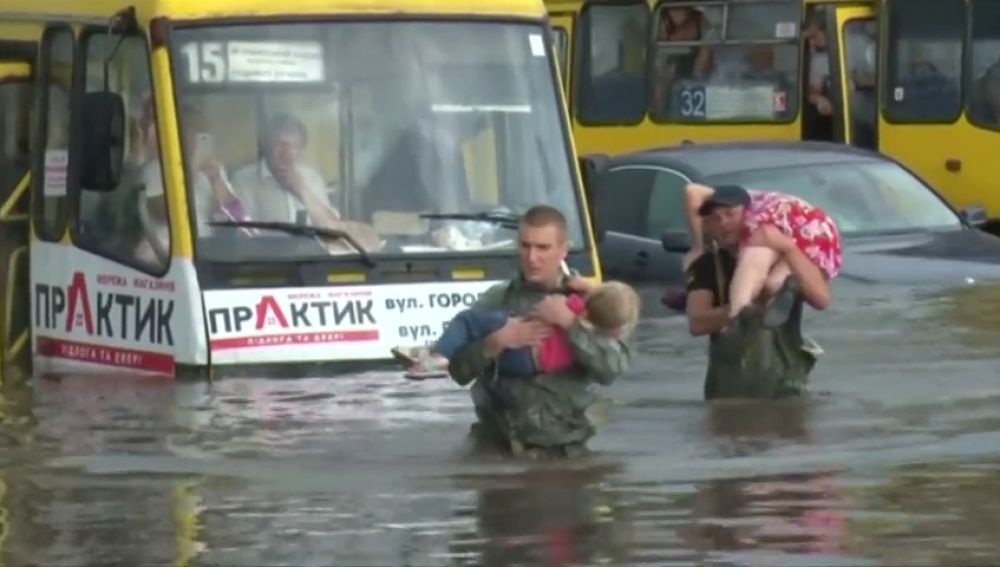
376, 128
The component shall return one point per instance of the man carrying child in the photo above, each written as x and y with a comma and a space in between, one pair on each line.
531, 353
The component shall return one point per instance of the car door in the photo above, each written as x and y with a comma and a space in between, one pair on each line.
635, 204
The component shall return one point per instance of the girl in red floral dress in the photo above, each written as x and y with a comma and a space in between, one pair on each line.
760, 266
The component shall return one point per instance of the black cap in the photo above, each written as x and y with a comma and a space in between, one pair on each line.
725, 196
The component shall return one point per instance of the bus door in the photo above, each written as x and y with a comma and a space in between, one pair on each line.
15, 98
921, 94
854, 57
981, 138
562, 42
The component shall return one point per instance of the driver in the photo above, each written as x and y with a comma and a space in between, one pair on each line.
278, 188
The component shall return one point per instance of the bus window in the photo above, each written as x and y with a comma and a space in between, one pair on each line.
129, 223
612, 84
924, 67
50, 182
725, 62
307, 127
984, 80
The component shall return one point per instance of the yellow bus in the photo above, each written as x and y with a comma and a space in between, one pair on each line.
247, 185
918, 80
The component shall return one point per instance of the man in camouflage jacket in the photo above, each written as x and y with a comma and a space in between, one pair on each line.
552, 414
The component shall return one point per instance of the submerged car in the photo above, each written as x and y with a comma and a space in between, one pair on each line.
895, 227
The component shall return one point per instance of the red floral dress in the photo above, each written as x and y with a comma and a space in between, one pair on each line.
814, 232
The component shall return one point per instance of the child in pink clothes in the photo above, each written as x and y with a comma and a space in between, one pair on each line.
608, 308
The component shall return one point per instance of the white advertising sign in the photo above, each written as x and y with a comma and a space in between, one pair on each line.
331, 323
90, 314
279, 62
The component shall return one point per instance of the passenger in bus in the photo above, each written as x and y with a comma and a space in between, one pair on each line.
685, 23
279, 187
984, 103
775, 230
760, 67
611, 309
680, 23
209, 189
818, 89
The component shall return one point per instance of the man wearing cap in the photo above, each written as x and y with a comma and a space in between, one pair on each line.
770, 358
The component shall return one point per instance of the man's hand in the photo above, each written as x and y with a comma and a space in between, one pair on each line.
554, 311
823, 105
292, 179
517, 333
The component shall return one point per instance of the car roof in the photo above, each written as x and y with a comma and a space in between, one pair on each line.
699, 161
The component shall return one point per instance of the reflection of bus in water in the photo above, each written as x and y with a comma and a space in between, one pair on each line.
917, 80
287, 184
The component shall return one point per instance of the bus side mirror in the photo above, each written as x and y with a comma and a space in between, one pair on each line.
676, 241
591, 167
102, 143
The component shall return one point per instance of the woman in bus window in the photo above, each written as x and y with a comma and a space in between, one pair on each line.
680, 23
984, 104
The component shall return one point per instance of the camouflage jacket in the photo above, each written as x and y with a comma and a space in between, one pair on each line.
547, 410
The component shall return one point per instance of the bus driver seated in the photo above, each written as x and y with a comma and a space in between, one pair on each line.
278, 188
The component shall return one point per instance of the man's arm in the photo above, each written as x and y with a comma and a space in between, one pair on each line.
313, 196
604, 357
702, 315
703, 318
815, 288
473, 359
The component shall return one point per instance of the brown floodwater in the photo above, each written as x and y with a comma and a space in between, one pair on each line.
894, 459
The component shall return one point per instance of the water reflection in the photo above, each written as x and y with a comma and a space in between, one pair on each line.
797, 513
550, 516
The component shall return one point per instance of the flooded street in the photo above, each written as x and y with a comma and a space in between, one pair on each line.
895, 459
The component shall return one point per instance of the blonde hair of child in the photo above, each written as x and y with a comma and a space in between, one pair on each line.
612, 305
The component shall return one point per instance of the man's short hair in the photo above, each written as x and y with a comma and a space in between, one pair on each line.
285, 122
545, 215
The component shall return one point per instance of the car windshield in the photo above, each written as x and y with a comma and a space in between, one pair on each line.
863, 198
372, 128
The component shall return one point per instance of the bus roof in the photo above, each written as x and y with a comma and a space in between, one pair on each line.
196, 9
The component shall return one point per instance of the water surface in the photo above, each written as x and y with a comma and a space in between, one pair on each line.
894, 459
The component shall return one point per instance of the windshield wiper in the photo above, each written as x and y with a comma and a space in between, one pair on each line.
303, 230
506, 220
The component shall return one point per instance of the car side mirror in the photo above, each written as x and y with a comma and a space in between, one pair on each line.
974, 216
591, 168
676, 241
102, 145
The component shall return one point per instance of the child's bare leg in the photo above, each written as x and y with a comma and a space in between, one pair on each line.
776, 279
752, 271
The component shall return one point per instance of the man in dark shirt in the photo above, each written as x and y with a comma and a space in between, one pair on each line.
769, 359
